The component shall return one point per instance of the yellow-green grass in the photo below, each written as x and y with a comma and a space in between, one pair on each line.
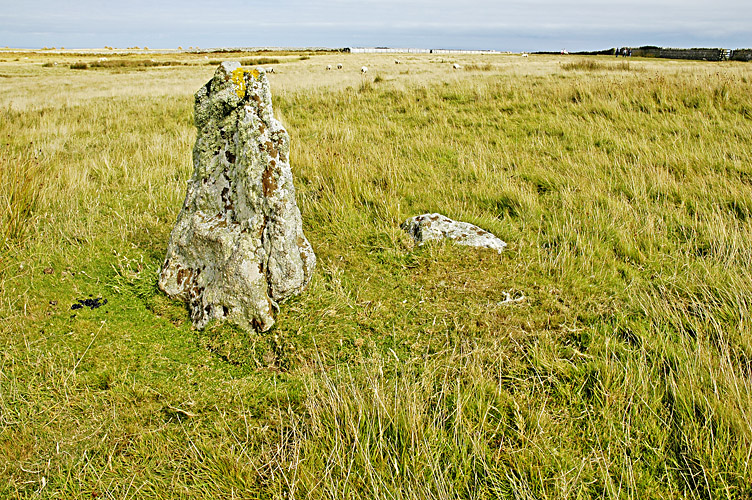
625, 196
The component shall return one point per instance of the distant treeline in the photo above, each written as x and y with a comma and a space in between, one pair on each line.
698, 54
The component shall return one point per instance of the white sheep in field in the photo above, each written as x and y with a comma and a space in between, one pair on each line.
270, 70
397, 61
328, 67
456, 66
339, 66
364, 70
524, 54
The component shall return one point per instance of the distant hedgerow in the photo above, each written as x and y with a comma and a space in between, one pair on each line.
259, 61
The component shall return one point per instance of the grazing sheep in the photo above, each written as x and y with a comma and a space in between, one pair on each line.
270, 70
524, 54
364, 70
397, 61
456, 66
339, 66
328, 67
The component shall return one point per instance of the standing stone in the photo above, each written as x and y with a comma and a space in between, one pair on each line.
238, 248
428, 227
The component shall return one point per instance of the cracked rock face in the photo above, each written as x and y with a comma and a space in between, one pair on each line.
237, 248
429, 227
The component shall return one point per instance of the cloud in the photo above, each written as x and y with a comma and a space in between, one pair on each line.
469, 24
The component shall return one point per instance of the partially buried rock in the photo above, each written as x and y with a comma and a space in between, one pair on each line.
429, 227
238, 248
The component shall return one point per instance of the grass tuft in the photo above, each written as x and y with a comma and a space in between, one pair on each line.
21, 183
591, 65
479, 67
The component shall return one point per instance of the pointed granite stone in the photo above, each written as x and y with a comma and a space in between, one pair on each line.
238, 248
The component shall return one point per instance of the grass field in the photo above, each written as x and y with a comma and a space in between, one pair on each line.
624, 192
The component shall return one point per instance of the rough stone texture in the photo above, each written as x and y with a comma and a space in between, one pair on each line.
238, 247
429, 227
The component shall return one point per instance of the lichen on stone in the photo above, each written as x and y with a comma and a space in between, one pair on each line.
239, 76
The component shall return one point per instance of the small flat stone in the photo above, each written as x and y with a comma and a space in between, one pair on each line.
429, 227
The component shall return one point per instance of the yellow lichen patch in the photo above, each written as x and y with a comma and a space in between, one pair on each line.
238, 78
239, 81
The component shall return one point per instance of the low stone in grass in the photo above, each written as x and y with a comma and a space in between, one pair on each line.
429, 227
238, 247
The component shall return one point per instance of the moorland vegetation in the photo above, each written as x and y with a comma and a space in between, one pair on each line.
624, 192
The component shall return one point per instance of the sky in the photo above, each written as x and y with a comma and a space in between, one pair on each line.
514, 25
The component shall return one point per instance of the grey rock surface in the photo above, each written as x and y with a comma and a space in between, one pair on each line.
238, 248
429, 227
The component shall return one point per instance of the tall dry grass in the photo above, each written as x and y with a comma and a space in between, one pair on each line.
21, 183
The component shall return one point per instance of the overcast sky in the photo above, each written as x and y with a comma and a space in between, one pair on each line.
470, 24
